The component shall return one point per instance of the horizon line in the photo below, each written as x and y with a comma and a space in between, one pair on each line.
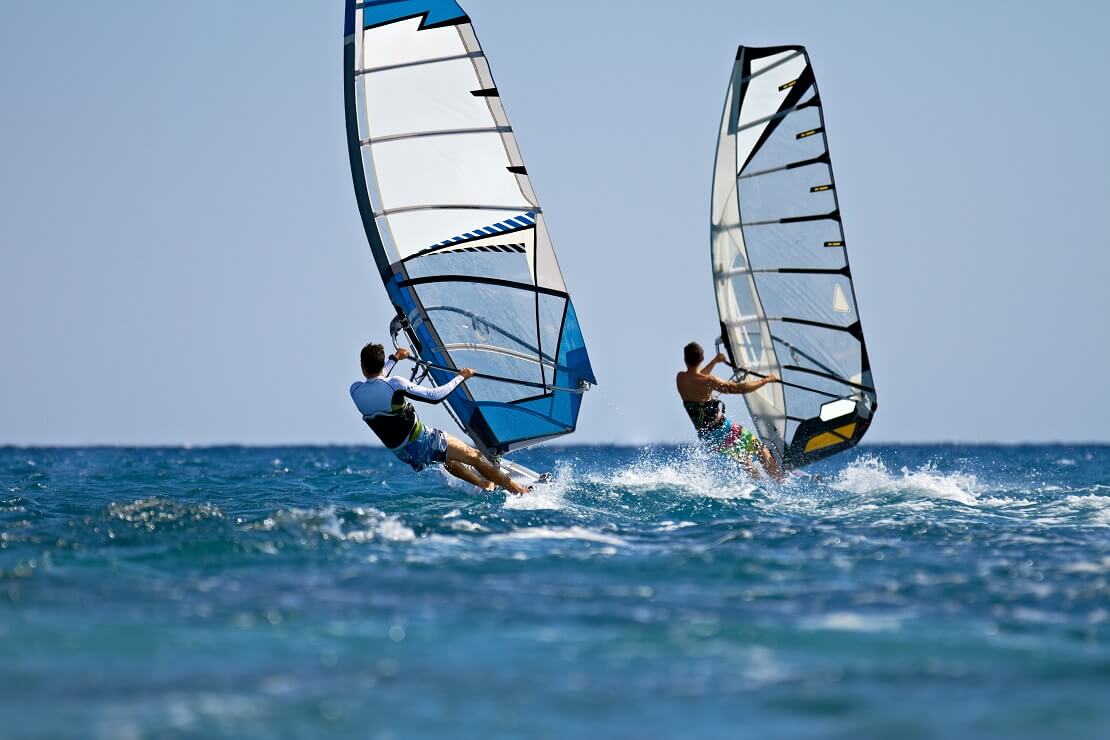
573, 445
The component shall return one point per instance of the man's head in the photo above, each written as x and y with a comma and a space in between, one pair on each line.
693, 354
373, 359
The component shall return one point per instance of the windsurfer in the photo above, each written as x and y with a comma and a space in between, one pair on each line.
381, 400
696, 388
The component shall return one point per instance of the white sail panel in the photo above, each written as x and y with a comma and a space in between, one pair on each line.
435, 144
406, 42
432, 102
470, 174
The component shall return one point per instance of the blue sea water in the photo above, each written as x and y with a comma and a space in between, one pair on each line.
910, 592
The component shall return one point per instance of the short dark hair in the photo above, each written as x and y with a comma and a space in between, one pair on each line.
693, 353
373, 359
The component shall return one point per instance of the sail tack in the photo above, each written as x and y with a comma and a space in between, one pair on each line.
457, 232
783, 284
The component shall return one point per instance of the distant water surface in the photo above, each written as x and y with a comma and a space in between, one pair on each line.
910, 592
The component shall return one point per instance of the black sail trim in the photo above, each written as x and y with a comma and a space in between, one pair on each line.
827, 376
853, 329
805, 82
831, 216
811, 271
820, 159
465, 241
527, 287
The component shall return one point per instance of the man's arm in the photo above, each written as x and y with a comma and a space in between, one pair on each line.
712, 364
747, 386
393, 359
431, 395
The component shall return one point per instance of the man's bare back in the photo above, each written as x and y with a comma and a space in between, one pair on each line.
698, 385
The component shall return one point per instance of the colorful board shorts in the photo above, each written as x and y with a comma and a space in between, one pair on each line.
429, 448
731, 439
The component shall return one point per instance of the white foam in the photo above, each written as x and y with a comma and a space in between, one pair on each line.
674, 526
852, 622
371, 524
1088, 566
869, 476
762, 669
1087, 502
547, 495
1095, 507
559, 533
692, 472
463, 525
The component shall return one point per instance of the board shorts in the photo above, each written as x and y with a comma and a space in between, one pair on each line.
429, 448
731, 439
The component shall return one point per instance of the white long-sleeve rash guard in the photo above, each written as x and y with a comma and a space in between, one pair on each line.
382, 403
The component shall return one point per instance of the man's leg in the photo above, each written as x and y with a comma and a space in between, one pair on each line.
468, 474
458, 451
751, 468
733, 446
769, 463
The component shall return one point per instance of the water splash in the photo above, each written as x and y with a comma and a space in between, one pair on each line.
688, 471
869, 476
358, 525
556, 533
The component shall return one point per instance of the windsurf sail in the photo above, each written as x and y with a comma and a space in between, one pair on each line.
784, 288
455, 227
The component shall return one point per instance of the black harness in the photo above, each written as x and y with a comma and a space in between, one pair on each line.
706, 415
395, 427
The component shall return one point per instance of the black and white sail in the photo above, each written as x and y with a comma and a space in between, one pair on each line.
784, 287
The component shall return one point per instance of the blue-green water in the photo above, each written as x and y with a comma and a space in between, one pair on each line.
912, 592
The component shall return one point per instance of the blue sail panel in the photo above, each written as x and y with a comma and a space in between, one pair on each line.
434, 12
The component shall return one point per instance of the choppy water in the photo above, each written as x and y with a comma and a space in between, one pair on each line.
912, 592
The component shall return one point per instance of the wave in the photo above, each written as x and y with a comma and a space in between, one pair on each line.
544, 496
358, 525
689, 471
150, 513
558, 533
841, 621
869, 476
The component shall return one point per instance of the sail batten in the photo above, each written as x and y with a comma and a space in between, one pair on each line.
783, 284
454, 224
419, 62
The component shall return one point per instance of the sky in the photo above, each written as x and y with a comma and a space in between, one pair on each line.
182, 259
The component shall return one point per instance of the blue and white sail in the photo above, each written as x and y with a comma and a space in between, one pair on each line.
784, 288
455, 227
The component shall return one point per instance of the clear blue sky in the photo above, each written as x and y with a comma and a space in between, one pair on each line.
182, 259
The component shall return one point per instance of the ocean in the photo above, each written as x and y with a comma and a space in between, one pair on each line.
326, 592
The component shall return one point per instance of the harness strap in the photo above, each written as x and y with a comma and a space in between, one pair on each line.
705, 415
